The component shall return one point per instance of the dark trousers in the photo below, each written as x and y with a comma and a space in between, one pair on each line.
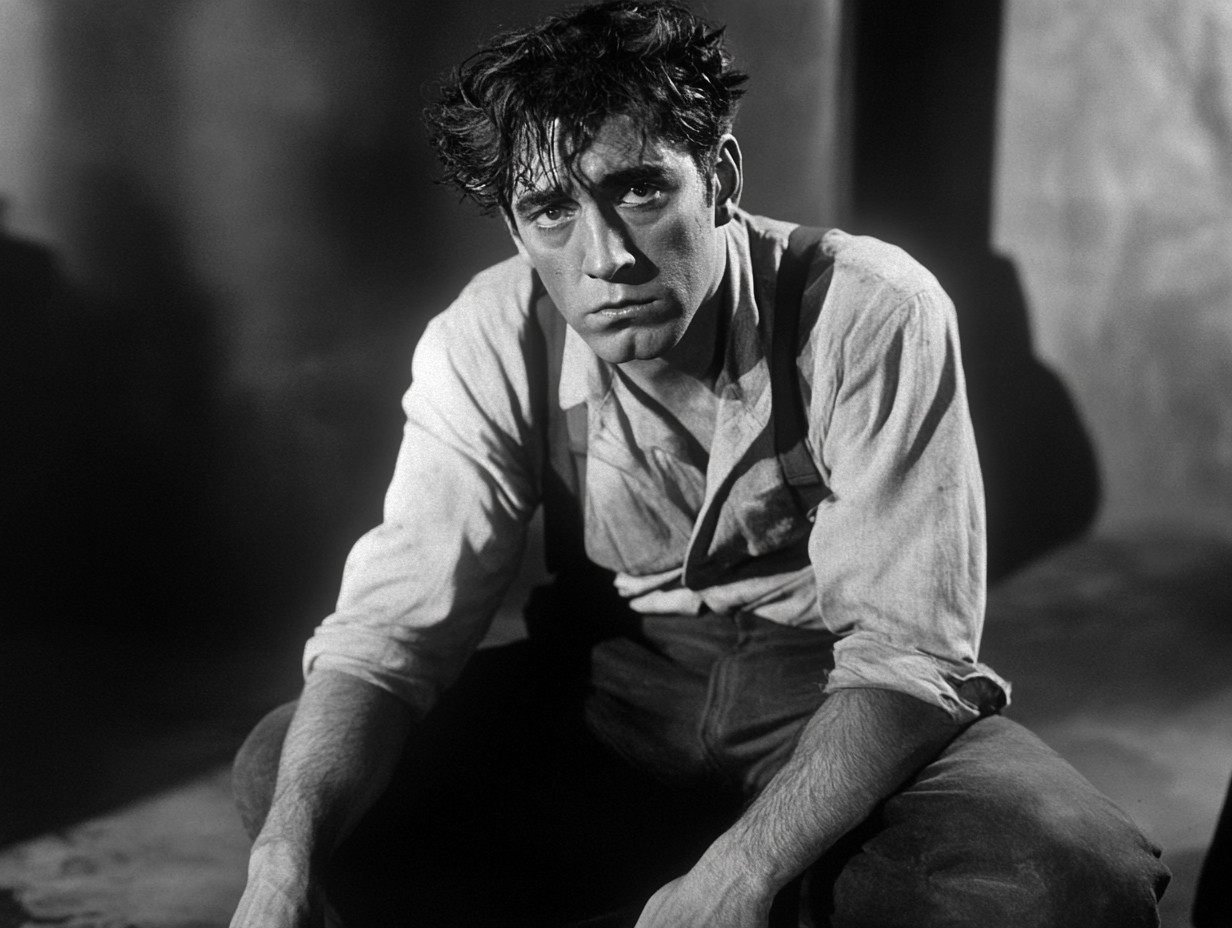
537, 797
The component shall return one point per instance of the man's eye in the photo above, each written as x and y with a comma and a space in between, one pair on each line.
641, 195
551, 217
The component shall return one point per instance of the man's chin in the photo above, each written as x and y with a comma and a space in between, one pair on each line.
622, 347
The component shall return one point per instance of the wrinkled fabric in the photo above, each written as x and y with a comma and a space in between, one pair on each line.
891, 561
683, 720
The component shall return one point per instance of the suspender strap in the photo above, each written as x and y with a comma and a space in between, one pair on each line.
790, 423
564, 444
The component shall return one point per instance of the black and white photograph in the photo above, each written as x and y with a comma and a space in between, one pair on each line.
616, 464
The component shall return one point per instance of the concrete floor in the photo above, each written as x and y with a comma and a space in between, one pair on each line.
116, 809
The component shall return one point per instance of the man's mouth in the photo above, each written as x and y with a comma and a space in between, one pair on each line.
623, 308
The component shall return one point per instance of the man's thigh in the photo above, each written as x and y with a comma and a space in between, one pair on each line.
998, 830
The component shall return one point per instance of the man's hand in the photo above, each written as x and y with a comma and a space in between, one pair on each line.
704, 899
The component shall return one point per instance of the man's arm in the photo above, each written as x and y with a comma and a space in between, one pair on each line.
858, 747
340, 752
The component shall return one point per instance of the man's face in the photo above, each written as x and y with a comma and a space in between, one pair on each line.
628, 243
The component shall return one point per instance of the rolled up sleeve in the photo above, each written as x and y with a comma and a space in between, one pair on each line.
898, 548
419, 590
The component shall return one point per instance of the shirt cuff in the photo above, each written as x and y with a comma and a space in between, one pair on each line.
375, 662
965, 690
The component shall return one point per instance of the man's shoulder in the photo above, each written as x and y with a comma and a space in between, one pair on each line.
862, 261
489, 316
876, 289
858, 290
508, 285
869, 262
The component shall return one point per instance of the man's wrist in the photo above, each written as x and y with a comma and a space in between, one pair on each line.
290, 862
301, 830
743, 871
280, 889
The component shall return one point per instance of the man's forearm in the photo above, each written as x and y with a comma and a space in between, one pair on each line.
339, 755
859, 747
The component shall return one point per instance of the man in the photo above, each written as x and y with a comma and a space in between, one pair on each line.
739, 677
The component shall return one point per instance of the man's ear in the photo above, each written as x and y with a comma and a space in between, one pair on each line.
513, 233
728, 180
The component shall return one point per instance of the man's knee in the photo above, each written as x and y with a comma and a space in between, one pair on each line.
1000, 831
255, 770
1069, 868
1054, 870
1097, 871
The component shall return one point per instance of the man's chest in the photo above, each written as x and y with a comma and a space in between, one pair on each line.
690, 483
678, 415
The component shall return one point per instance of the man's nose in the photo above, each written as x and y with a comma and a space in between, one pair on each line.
606, 247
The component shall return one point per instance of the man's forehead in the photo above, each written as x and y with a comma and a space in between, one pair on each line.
558, 162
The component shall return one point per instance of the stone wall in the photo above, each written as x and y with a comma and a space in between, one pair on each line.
1115, 200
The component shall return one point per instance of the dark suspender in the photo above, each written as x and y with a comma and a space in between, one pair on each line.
790, 422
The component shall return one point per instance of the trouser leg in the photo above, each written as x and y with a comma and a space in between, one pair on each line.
255, 770
998, 830
503, 812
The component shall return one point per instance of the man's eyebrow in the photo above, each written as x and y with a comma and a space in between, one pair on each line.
627, 177
534, 200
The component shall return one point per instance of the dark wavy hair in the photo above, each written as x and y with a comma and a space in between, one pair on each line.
549, 88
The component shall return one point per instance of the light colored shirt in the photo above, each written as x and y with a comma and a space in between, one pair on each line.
892, 560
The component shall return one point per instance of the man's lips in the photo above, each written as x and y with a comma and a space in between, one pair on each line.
621, 309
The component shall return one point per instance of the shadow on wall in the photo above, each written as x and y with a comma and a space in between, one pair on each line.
925, 102
109, 575
1115, 197
107, 468
1041, 478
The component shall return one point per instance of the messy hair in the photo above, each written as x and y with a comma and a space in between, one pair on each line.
549, 88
